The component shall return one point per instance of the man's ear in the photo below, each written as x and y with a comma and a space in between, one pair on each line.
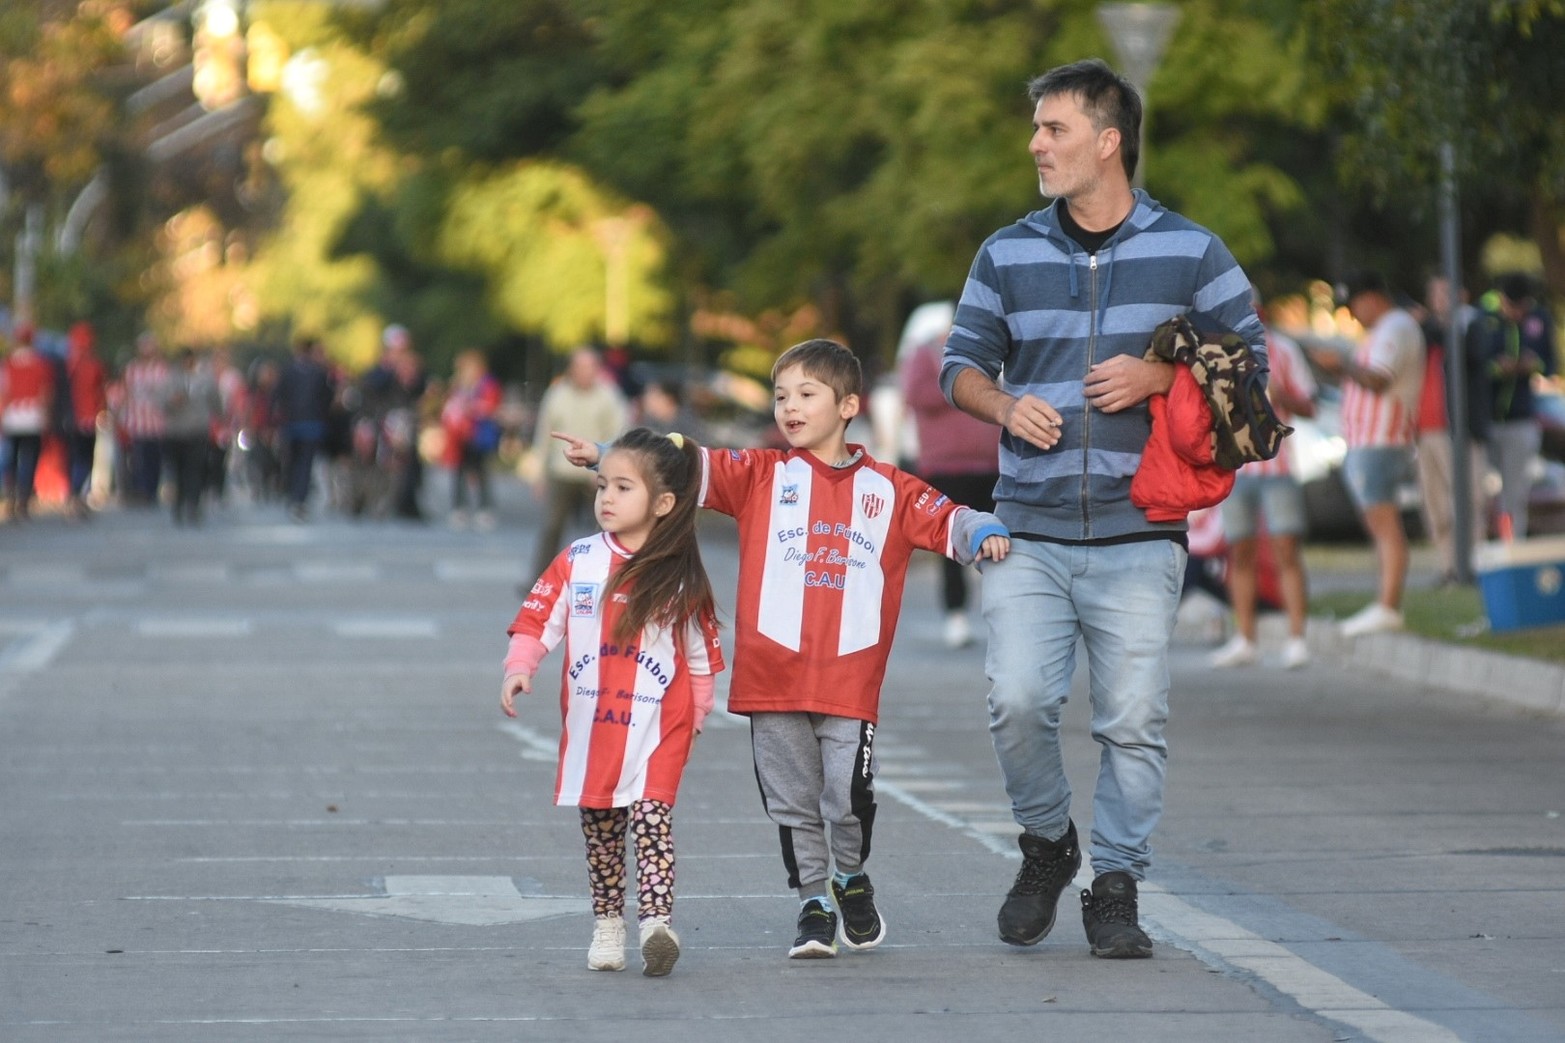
848, 408
1108, 142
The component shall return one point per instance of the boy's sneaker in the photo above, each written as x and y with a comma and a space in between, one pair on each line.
1047, 866
659, 947
1108, 912
861, 926
817, 933
608, 944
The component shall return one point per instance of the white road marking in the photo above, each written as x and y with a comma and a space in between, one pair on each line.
1219, 942
473, 901
37, 650
190, 573
329, 572
199, 628
387, 629
536, 746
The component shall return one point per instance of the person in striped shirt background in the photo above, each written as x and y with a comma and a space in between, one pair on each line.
1381, 381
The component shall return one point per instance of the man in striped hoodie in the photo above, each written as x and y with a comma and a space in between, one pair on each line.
1048, 342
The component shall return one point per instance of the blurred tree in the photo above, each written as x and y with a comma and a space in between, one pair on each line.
63, 69
57, 111
1484, 76
852, 153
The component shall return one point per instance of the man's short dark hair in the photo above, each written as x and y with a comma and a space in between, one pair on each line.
1365, 280
1515, 287
1108, 99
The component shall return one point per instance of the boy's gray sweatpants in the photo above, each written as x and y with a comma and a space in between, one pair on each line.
815, 769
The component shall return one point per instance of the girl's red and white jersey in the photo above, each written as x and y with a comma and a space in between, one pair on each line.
823, 556
628, 711
1395, 348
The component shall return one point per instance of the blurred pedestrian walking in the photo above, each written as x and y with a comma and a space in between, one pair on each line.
472, 431
1436, 407
957, 454
393, 391
1267, 503
145, 381
586, 402
89, 400
27, 395
191, 405
302, 398
1521, 348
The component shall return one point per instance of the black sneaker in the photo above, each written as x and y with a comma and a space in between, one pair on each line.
1108, 912
817, 933
861, 927
1047, 866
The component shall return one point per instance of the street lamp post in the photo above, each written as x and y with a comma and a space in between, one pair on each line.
1139, 32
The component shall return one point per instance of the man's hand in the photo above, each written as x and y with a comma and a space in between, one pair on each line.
1032, 419
512, 684
1123, 381
578, 451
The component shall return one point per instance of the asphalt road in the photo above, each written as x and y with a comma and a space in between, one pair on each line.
256, 785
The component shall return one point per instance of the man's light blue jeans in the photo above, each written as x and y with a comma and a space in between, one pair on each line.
1121, 600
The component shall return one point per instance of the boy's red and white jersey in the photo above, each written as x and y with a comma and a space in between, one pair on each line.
628, 711
824, 553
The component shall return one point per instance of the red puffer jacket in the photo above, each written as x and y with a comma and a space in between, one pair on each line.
1178, 472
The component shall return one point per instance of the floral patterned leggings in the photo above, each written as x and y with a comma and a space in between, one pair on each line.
651, 825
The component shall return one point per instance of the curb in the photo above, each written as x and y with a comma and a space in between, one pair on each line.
1526, 683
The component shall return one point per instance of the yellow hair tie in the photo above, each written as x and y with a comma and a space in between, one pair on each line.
677, 438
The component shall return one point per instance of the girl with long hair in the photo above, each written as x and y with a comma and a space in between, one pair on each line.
634, 607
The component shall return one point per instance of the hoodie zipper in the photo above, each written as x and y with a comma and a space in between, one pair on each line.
1086, 410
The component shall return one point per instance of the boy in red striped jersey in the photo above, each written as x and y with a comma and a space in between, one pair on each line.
825, 537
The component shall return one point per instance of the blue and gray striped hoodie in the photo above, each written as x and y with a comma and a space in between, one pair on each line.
1037, 312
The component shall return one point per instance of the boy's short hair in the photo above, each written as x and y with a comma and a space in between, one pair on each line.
825, 361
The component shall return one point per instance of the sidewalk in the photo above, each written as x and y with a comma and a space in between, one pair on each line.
1461, 670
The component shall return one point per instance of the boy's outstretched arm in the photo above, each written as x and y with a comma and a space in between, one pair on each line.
579, 451
976, 535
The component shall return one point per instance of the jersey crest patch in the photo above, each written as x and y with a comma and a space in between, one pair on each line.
789, 496
584, 599
872, 505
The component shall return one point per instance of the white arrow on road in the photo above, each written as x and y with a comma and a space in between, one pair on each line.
474, 901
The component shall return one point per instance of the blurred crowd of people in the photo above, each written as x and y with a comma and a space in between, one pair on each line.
181, 429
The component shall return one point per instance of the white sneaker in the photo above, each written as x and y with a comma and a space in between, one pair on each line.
459, 520
485, 521
1295, 654
1239, 651
608, 944
1374, 618
958, 632
659, 947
